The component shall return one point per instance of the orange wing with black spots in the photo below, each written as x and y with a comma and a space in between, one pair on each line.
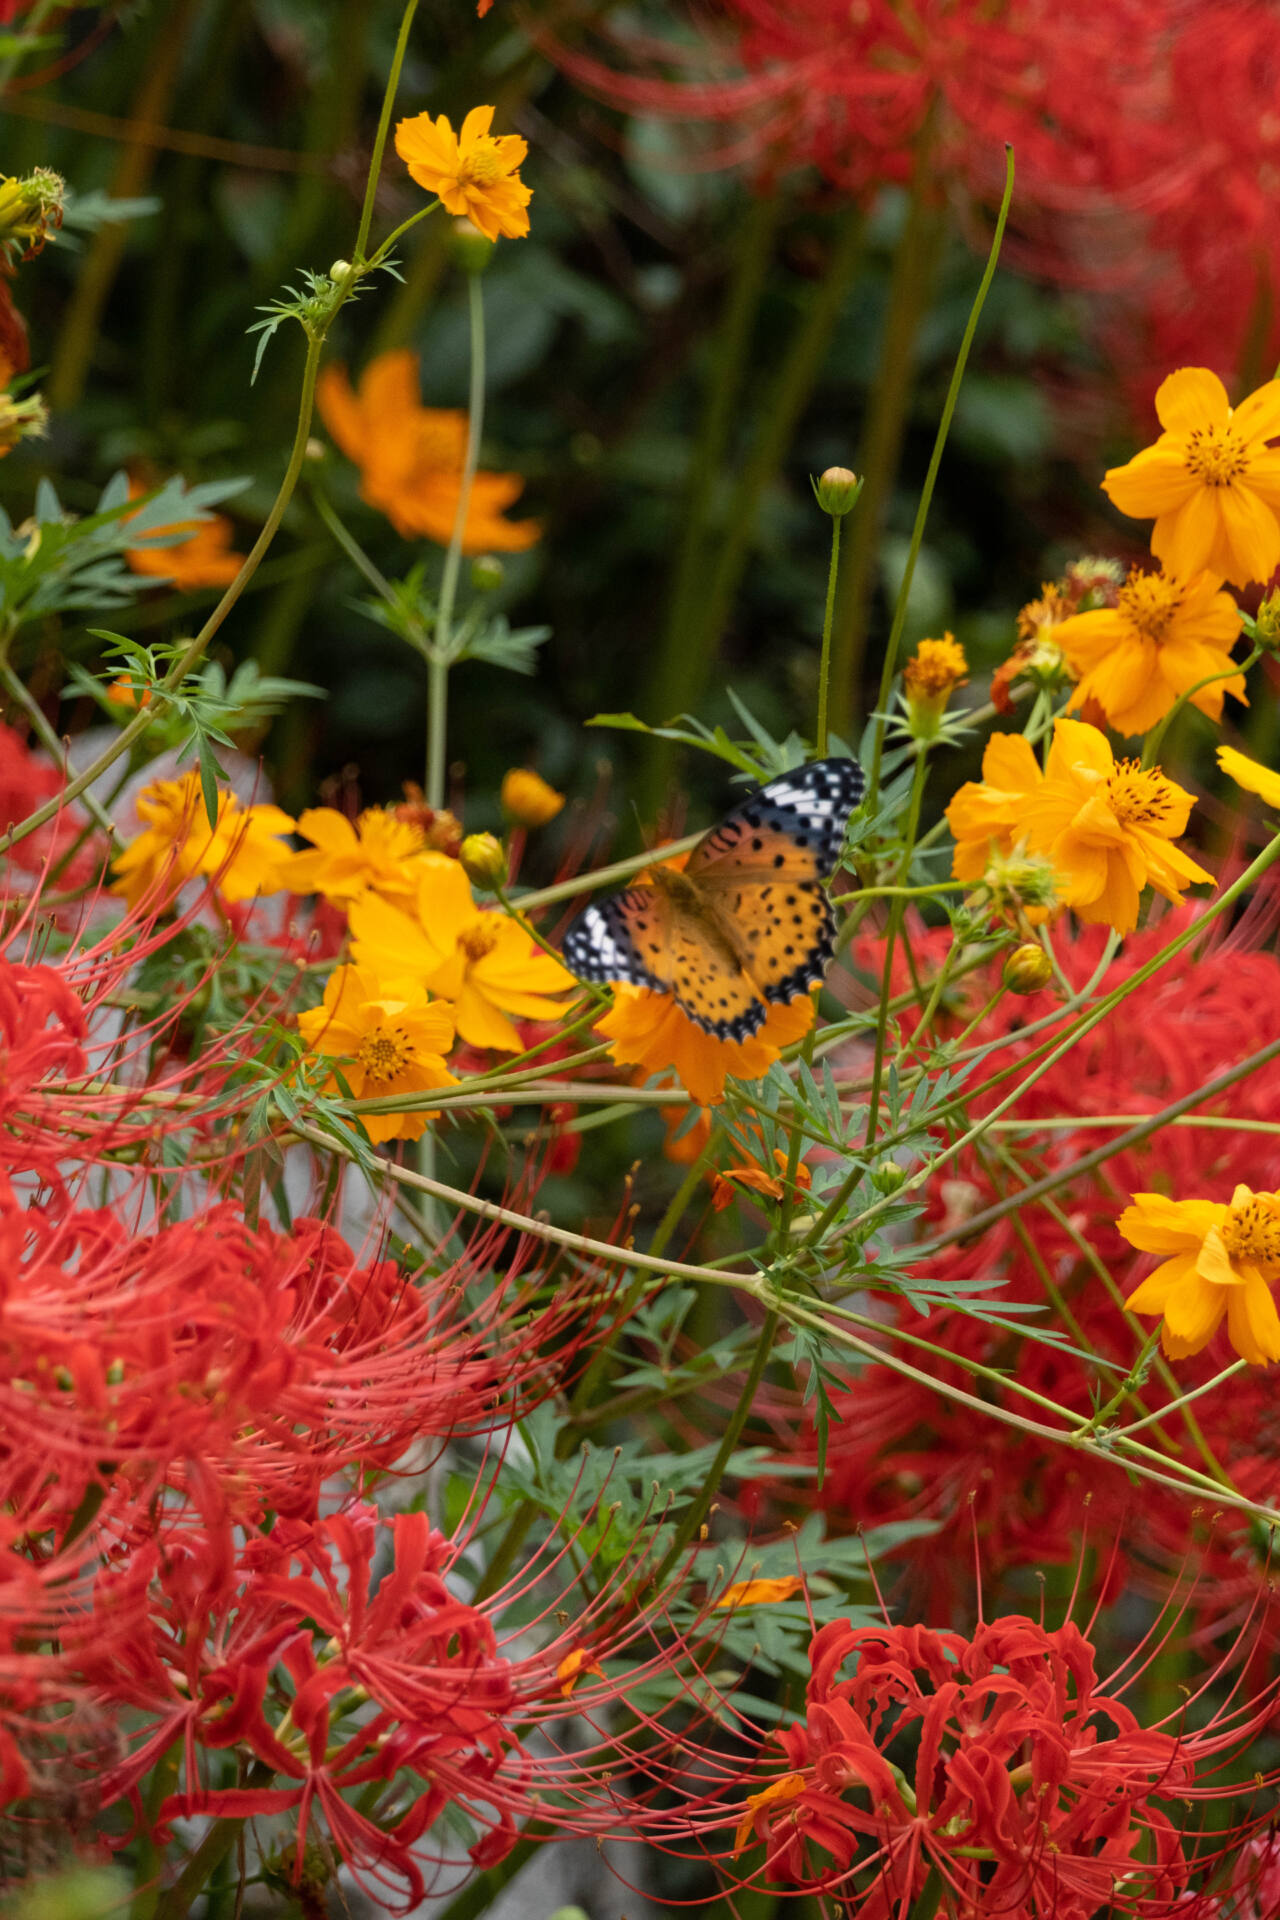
758, 927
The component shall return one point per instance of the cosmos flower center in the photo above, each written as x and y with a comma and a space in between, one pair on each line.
1216, 455
482, 167
1149, 602
1251, 1230
1138, 796
936, 667
479, 939
384, 1053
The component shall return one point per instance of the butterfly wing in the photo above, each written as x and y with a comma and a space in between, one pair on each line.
755, 927
764, 867
645, 938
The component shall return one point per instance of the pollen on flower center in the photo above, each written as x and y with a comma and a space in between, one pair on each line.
1216, 455
480, 938
1149, 602
1138, 796
384, 1053
1251, 1230
483, 167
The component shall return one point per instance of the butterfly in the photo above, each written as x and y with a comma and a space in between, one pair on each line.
748, 923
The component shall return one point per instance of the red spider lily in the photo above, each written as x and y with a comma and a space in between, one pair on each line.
27, 780
997, 1762
907, 1452
854, 89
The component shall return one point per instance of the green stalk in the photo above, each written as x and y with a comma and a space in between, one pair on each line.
897, 909
931, 478
438, 668
380, 138
888, 405
824, 664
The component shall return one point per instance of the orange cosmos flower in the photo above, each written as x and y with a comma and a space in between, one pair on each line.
1210, 480
242, 852
759, 1593
989, 817
1164, 635
390, 1039
482, 961
527, 799
1219, 1260
207, 559
378, 854
411, 457
648, 1030
474, 173
1108, 826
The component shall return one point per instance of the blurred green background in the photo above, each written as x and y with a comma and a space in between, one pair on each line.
672, 354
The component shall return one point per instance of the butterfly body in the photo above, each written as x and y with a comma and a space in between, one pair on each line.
747, 924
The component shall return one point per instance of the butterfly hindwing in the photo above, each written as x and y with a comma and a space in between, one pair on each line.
643, 939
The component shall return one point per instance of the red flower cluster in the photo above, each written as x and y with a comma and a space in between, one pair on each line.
68, 846
998, 1764
905, 1451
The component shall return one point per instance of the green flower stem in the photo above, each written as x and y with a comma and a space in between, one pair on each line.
380, 138
824, 664
896, 912
914, 262
605, 876
1151, 745
194, 652
177, 1901
438, 666
398, 234
930, 481
1183, 1400
56, 748
698, 1508
1132, 1380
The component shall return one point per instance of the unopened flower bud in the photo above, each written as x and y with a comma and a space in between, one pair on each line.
1028, 969
339, 271
527, 799
484, 861
470, 250
487, 572
1266, 623
888, 1177
837, 490
315, 450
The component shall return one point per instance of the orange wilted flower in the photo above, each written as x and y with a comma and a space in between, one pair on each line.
574, 1665
411, 458
758, 1180
759, 1593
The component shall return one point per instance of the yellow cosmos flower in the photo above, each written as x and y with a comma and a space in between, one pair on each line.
474, 173
527, 799
379, 853
1250, 775
648, 1030
1218, 1260
1108, 826
1164, 636
411, 457
390, 1039
482, 961
242, 854
1210, 480
989, 817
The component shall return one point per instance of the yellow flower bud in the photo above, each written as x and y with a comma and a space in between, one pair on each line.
30, 210
484, 861
1028, 969
837, 490
1266, 623
527, 799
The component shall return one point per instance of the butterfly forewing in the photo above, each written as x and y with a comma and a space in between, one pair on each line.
620, 939
795, 825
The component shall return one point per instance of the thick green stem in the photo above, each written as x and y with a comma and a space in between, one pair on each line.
897, 909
